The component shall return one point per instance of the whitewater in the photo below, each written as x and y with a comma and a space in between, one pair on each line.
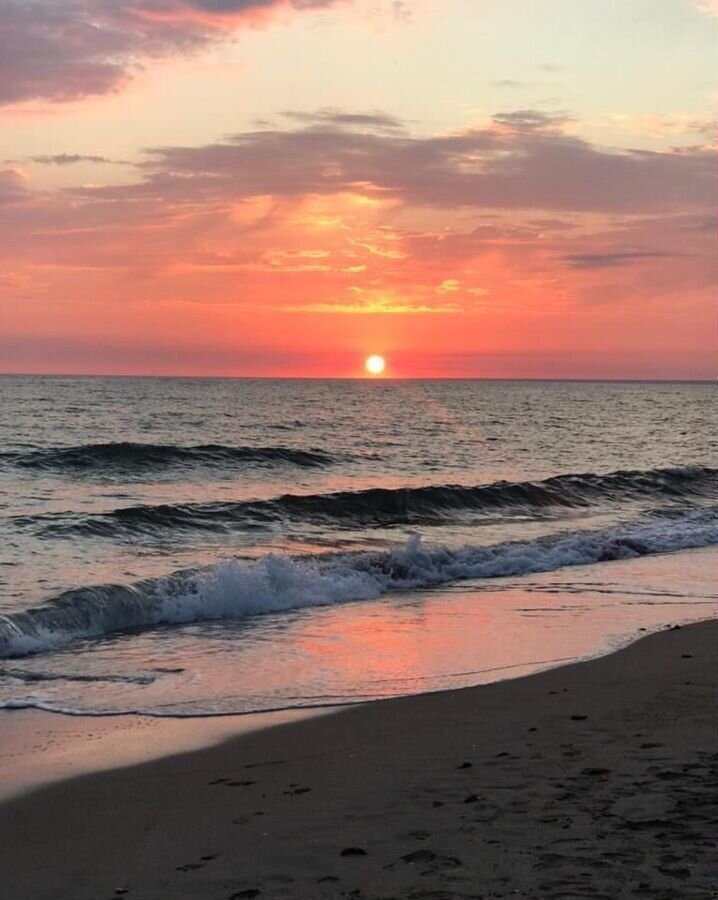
232, 589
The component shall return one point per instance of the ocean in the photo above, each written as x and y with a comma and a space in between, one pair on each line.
187, 547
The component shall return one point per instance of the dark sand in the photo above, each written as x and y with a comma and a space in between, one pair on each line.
596, 780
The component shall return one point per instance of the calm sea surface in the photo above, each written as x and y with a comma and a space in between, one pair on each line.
194, 546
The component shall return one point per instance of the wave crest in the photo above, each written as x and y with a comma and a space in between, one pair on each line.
233, 590
382, 507
128, 457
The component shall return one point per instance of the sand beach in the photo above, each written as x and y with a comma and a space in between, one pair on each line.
593, 780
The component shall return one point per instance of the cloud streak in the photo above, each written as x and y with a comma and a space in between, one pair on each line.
608, 260
70, 159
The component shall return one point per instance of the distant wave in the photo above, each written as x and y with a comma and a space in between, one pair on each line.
375, 507
233, 590
128, 457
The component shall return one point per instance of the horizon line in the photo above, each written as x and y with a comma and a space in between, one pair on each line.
363, 378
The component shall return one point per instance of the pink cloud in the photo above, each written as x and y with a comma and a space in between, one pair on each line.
62, 50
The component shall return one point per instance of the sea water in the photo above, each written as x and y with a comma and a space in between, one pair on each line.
210, 546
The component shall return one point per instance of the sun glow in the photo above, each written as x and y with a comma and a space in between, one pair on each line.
375, 365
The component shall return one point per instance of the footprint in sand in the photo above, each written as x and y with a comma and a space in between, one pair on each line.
419, 856
231, 782
353, 851
203, 860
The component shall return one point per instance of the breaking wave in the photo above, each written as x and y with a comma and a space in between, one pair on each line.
382, 507
275, 583
127, 458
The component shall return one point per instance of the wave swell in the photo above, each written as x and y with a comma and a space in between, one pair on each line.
128, 457
383, 507
233, 590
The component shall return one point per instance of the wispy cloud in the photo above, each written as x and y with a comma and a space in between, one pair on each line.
511, 83
69, 159
608, 260
386, 307
338, 119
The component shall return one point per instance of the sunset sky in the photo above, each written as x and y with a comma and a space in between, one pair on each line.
479, 188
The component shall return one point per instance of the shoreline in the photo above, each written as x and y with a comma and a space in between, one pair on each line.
583, 780
44, 745
417, 642
41, 748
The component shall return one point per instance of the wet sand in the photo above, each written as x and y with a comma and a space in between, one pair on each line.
595, 780
38, 748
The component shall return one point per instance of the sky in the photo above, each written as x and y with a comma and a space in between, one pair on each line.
470, 188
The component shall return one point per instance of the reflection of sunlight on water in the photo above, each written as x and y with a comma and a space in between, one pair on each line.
388, 434
391, 434
425, 641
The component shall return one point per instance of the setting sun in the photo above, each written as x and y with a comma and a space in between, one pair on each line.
375, 365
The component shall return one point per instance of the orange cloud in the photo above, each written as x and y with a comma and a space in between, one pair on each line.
459, 254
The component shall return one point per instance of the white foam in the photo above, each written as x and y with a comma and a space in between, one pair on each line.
234, 590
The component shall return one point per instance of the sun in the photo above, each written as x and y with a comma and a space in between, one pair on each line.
375, 364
